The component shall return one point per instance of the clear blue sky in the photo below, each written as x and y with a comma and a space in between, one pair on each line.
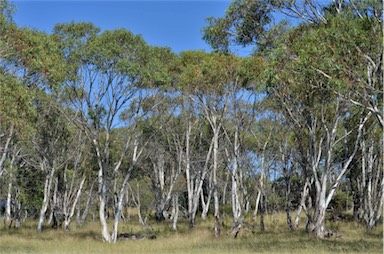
176, 24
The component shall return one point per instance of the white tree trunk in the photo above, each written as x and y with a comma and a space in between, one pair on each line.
8, 218
175, 215
120, 206
257, 204
102, 199
215, 186
68, 217
206, 204
235, 177
47, 195
5, 150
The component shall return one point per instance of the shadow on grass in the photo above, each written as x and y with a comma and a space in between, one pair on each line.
86, 235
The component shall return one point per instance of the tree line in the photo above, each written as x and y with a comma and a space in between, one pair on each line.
97, 122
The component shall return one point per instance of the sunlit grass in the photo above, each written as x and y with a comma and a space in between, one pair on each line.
275, 239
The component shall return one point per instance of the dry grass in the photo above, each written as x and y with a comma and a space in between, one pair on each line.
276, 239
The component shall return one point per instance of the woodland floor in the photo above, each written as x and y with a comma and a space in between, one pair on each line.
275, 239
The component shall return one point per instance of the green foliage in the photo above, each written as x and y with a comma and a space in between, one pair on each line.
15, 102
73, 39
161, 68
212, 73
243, 23
31, 186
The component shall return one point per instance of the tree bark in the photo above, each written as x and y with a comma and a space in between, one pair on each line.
215, 186
8, 217
175, 216
47, 195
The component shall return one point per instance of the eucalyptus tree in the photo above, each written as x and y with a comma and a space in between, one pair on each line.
70, 183
325, 70
194, 176
356, 43
50, 150
192, 151
109, 76
27, 73
209, 80
205, 77
306, 100
284, 146
15, 67
8, 82
242, 91
260, 143
162, 163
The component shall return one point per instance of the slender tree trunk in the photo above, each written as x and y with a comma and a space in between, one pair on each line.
8, 204
215, 187
257, 204
321, 208
87, 204
17, 215
68, 217
120, 205
205, 205
52, 215
47, 195
175, 217
190, 186
102, 200
288, 202
236, 205
304, 195
7, 220
5, 150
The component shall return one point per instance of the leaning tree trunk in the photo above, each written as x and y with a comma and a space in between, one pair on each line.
304, 195
47, 195
87, 205
5, 150
257, 204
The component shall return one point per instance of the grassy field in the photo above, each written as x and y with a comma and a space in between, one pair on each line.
276, 239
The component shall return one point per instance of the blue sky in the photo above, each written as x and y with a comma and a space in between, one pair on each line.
176, 24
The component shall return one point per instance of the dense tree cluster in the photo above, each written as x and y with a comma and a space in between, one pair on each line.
98, 122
